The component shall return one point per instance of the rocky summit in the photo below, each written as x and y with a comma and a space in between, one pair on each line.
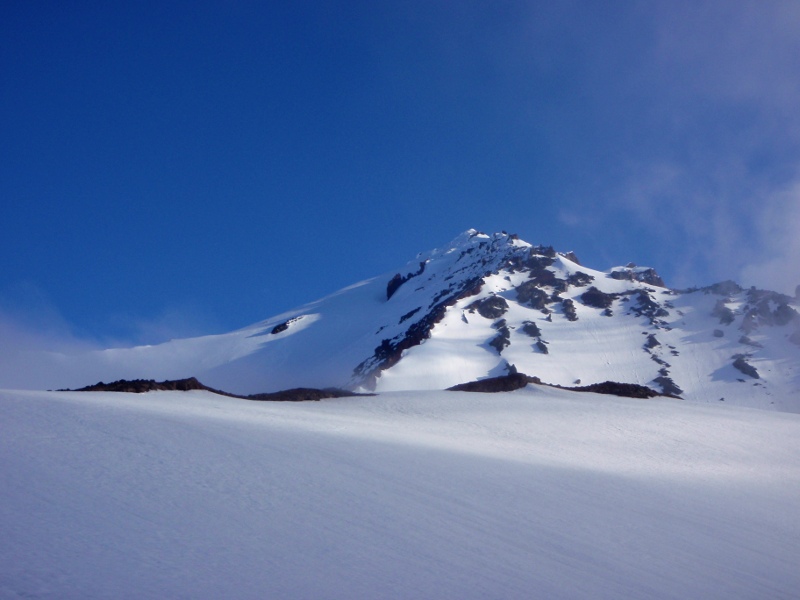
488, 305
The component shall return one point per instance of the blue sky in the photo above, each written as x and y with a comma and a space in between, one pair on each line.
171, 168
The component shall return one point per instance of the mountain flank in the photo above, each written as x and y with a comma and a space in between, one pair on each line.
468, 310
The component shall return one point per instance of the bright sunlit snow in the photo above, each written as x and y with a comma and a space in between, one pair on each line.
539, 493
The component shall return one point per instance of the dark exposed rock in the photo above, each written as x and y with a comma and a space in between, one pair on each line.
410, 314
504, 383
579, 279
597, 299
668, 386
783, 315
645, 305
388, 353
139, 386
547, 278
569, 309
723, 313
537, 262
749, 321
304, 394
658, 360
756, 296
530, 261
442, 294
279, 328
614, 388
758, 310
740, 363
398, 280
547, 251
530, 328
652, 342
648, 276
571, 256
529, 293
503, 338
491, 307
724, 288
748, 342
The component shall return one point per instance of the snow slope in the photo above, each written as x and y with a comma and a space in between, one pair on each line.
473, 309
540, 493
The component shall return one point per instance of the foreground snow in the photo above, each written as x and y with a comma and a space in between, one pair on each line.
535, 494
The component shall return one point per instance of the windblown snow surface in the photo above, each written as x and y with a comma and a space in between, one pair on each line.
539, 493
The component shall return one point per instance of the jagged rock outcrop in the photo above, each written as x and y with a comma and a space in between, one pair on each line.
633, 273
492, 307
531, 294
597, 299
503, 383
398, 280
141, 386
503, 337
740, 363
568, 307
722, 312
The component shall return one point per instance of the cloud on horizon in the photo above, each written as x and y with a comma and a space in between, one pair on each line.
41, 348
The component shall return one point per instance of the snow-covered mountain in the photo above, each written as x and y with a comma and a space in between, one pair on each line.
487, 304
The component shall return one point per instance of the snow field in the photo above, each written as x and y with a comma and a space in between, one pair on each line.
540, 493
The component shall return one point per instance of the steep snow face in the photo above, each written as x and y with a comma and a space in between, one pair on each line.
484, 305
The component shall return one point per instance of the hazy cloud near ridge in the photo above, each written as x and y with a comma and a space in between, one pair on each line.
39, 348
715, 178
777, 266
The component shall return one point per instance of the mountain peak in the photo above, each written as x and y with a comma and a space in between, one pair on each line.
485, 305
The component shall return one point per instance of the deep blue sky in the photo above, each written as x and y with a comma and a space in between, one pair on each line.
177, 168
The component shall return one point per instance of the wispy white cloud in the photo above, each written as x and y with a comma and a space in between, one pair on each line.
776, 263
714, 180
40, 348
